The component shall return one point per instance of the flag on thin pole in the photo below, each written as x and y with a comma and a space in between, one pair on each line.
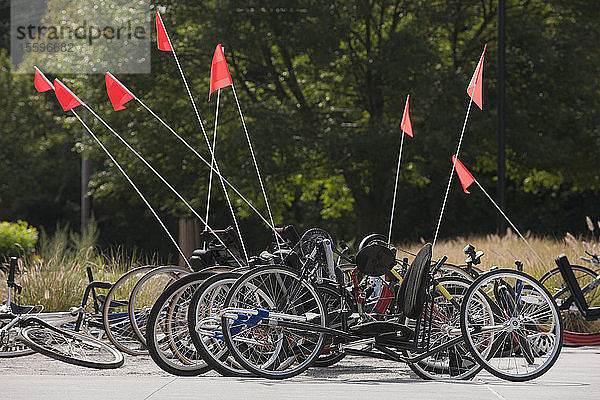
41, 83
405, 125
475, 88
219, 72
66, 98
162, 38
117, 92
466, 179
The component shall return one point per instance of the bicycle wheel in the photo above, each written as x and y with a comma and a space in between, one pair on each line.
69, 346
205, 324
524, 338
167, 334
455, 362
331, 300
10, 344
278, 349
456, 270
578, 331
146, 292
115, 313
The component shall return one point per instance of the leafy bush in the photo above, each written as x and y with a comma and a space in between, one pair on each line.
17, 239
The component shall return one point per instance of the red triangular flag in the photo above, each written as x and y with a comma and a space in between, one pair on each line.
466, 179
405, 125
219, 72
162, 39
41, 83
476, 83
117, 92
66, 98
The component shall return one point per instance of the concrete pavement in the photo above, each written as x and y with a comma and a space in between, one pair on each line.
576, 375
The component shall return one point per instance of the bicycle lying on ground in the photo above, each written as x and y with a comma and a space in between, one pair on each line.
45, 332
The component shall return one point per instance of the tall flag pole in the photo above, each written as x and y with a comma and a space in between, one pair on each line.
212, 160
163, 42
467, 179
220, 78
116, 92
67, 98
406, 127
475, 92
115, 88
42, 84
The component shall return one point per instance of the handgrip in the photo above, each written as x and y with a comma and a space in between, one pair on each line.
438, 264
11, 271
89, 274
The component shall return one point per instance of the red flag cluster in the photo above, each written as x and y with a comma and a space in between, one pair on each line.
220, 77
66, 98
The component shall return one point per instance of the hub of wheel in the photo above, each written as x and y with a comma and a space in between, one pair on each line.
512, 324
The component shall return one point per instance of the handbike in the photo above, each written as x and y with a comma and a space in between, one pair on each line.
275, 324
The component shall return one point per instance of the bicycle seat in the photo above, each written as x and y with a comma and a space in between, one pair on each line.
113, 303
375, 259
414, 286
17, 309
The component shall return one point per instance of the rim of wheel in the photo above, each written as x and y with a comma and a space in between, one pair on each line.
528, 328
270, 350
207, 305
71, 347
117, 325
457, 362
139, 317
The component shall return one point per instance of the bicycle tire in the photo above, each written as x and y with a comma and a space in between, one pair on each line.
146, 292
10, 344
275, 352
457, 270
69, 346
208, 302
163, 323
531, 327
331, 300
455, 363
116, 317
578, 331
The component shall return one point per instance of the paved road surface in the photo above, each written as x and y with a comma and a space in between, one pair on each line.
576, 375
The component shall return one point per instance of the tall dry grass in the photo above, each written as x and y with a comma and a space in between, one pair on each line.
503, 250
56, 278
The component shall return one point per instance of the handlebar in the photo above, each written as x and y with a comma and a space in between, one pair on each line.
438, 264
595, 258
11, 271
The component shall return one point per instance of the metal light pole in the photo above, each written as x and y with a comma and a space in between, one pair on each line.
501, 191
85, 178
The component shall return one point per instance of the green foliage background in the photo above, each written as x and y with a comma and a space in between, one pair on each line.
322, 86
17, 239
